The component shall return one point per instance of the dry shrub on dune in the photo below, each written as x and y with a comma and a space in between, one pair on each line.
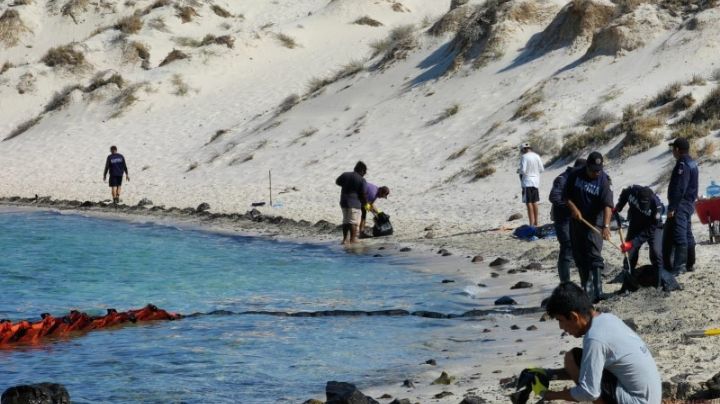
226, 40
396, 46
186, 13
367, 20
709, 109
286, 40
5, 67
136, 51
64, 56
220, 12
11, 28
641, 135
173, 56
74, 7
131, 24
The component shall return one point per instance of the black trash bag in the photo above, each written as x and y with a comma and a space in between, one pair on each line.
382, 226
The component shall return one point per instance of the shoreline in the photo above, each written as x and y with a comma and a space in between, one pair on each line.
502, 357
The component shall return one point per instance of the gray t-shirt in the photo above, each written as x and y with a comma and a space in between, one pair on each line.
352, 194
610, 344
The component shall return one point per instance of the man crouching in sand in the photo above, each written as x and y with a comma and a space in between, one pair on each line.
613, 366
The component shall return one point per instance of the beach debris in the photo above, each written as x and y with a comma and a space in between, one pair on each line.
514, 327
473, 400
431, 362
522, 285
494, 274
443, 251
145, 202
497, 371
409, 384
508, 382
430, 234
448, 281
405, 249
533, 266
443, 394
40, 393
431, 227
477, 258
345, 393
27, 333
519, 354
531, 328
444, 379
486, 330
505, 300
499, 261
401, 401
256, 216
514, 216
482, 285
203, 207
256, 204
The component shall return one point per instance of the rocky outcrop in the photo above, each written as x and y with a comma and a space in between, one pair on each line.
345, 393
41, 393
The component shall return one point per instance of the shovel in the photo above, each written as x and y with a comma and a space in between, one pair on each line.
703, 333
592, 227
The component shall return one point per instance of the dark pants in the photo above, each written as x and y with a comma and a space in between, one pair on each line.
608, 381
678, 240
565, 258
652, 236
587, 253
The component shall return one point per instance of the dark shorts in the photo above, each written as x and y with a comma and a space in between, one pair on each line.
530, 195
115, 181
608, 382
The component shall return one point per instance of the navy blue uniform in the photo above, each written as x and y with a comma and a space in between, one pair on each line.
115, 165
645, 217
591, 197
560, 215
678, 240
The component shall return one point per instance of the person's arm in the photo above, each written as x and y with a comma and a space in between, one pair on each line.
678, 184
362, 195
542, 167
107, 168
624, 195
588, 387
556, 193
607, 196
127, 175
339, 181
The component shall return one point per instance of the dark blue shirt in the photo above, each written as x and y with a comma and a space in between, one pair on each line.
352, 194
683, 186
560, 209
641, 216
590, 196
115, 164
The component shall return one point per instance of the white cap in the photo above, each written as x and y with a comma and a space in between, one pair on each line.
525, 146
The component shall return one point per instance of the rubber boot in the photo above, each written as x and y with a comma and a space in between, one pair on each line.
597, 285
690, 263
584, 277
680, 259
563, 268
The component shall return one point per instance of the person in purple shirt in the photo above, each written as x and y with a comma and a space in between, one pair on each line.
115, 165
372, 193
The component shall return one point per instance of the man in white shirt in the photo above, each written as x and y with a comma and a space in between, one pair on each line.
530, 168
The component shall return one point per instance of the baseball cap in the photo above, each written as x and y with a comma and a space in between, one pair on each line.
525, 146
681, 143
595, 161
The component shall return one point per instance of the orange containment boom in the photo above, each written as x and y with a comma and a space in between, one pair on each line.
73, 324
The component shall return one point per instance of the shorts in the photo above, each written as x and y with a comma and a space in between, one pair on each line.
350, 216
608, 381
115, 181
530, 195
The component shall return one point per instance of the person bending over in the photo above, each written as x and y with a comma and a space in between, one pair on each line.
372, 193
613, 366
115, 164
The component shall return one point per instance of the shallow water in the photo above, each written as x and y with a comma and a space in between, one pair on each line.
54, 263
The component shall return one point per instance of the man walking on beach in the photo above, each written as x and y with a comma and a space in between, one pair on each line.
352, 200
590, 200
678, 240
530, 168
560, 215
115, 164
645, 216
614, 365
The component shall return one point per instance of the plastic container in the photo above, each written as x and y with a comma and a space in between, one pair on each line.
713, 190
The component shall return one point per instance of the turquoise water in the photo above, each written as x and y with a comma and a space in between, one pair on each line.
54, 263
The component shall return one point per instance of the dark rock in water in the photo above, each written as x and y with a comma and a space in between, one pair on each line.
514, 216
41, 393
381, 248
409, 384
443, 395
429, 314
448, 281
482, 285
446, 254
86, 204
505, 300
203, 207
519, 340
533, 266
514, 327
477, 258
513, 271
405, 249
377, 255
401, 401
519, 354
494, 274
345, 393
145, 202
442, 251
522, 285
473, 400
531, 328
487, 330
385, 396
312, 401
444, 379
431, 362
631, 323
499, 261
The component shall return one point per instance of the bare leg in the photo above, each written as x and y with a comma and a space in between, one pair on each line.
353, 233
118, 194
346, 231
530, 213
535, 213
362, 225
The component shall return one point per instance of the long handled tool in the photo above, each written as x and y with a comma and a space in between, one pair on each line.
591, 226
626, 270
703, 333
